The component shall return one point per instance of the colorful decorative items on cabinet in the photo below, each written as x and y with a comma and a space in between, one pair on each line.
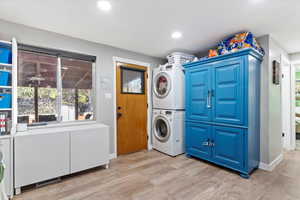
222, 110
236, 43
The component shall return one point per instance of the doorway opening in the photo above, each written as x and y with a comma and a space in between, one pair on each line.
297, 105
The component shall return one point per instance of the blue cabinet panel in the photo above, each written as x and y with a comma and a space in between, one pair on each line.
198, 103
198, 139
228, 98
228, 146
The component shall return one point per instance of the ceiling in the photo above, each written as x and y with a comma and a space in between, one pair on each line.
145, 26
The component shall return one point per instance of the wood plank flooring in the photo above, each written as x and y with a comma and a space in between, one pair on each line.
155, 176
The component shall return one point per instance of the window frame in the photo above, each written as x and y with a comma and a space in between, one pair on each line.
143, 80
59, 88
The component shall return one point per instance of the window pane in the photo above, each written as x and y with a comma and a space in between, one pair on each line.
85, 109
47, 104
68, 104
26, 105
132, 81
37, 88
76, 90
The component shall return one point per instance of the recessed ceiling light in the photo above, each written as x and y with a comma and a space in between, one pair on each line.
176, 35
256, 1
104, 5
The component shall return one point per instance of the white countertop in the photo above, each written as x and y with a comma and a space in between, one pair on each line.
5, 137
60, 128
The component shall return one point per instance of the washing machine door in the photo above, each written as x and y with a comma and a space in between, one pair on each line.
161, 128
162, 84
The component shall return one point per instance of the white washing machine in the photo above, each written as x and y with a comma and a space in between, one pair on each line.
168, 131
168, 87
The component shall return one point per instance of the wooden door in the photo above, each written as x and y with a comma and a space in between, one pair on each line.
131, 108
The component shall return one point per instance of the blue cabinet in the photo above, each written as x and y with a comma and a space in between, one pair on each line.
222, 110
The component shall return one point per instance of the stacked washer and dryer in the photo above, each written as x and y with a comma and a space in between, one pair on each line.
169, 105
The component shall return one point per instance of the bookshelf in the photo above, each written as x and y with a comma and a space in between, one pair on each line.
6, 140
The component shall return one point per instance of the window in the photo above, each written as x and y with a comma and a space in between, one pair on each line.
37, 88
133, 81
53, 91
76, 90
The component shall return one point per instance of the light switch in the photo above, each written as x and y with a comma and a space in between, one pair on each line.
108, 95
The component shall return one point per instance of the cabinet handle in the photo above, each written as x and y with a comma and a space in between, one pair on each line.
212, 143
205, 143
208, 100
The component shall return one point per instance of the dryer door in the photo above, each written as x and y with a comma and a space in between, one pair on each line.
162, 85
161, 128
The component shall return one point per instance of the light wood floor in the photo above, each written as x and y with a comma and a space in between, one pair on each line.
152, 175
298, 145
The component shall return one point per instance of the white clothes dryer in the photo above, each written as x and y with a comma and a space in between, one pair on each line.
168, 87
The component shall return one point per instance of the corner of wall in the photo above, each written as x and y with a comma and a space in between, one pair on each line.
272, 165
295, 58
264, 100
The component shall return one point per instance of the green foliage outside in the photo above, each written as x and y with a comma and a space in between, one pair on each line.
47, 99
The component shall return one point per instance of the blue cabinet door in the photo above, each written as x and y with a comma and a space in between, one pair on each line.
197, 137
228, 148
229, 91
198, 104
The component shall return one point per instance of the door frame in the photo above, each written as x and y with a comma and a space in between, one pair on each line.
288, 142
293, 103
149, 97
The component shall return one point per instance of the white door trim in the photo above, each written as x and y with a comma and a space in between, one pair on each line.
293, 108
149, 97
288, 139
293, 104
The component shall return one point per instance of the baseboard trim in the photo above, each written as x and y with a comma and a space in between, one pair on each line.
112, 156
150, 147
272, 165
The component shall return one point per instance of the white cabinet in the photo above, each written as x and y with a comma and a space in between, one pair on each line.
5, 145
41, 157
89, 148
44, 154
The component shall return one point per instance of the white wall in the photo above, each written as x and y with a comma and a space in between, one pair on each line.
295, 58
271, 118
276, 146
286, 104
264, 101
104, 65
